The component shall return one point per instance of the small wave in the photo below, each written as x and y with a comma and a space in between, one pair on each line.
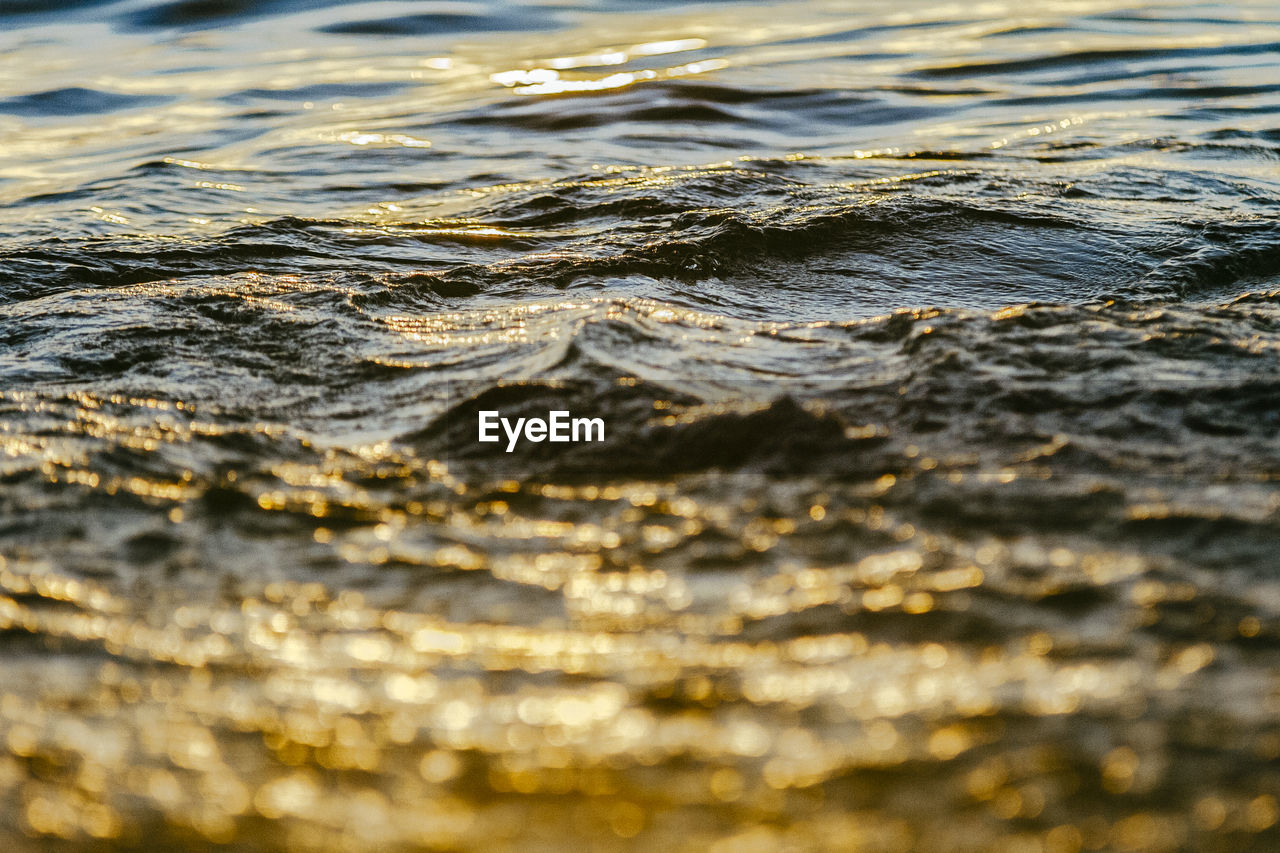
75, 102
855, 247
1095, 58
445, 23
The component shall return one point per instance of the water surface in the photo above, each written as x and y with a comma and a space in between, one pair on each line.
939, 351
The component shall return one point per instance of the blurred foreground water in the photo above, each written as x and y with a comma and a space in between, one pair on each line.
939, 352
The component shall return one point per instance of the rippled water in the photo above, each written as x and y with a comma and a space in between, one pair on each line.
939, 352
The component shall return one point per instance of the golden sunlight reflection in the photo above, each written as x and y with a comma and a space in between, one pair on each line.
547, 81
356, 137
397, 697
631, 695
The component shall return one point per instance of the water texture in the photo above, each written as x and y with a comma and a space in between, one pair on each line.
938, 347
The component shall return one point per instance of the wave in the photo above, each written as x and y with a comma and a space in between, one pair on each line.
807, 238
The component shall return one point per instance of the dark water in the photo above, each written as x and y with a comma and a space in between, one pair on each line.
939, 352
